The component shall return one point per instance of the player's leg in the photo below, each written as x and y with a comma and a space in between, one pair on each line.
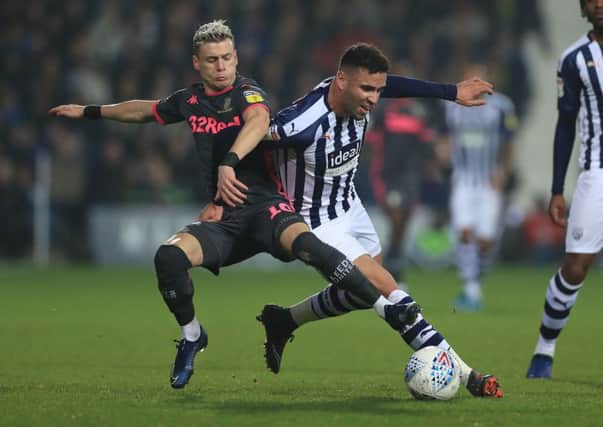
355, 236
584, 239
398, 216
488, 229
196, 245
561, 295
464, 217
172, 262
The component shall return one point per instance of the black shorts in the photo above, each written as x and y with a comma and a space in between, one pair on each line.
244, 232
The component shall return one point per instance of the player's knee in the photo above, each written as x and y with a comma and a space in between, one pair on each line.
311, 250
170, 259
466, 236
485, 245
574, 271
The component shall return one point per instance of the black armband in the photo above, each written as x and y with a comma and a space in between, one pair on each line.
92, 112
230, 159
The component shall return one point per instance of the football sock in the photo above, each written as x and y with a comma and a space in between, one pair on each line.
174, 282
422, 334
560, 298
468, 264
332, 302
334, 266
465, 369
473, 291
192, 330
485, 260
329, 302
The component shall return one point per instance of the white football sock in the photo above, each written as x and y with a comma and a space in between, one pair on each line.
465, 369
473, 290
192, 330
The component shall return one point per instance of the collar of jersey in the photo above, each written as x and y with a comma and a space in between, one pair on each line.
220, 92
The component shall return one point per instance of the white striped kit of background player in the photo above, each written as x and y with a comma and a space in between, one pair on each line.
476, 137
585, 225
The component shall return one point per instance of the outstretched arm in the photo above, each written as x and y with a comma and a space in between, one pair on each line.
135, 111
467, 93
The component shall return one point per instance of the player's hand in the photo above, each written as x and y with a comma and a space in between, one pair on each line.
557, 210
211, 213
469, 92
71, 111
230, 189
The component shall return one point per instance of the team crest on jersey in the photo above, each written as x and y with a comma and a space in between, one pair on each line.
253, 96
577, 233
559, 87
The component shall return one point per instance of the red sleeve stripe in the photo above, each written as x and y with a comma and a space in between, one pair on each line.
258, 104
156, 114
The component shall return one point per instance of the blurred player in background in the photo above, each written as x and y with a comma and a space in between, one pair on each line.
228, 116
580, 96
319, 138
481, 155
400, 140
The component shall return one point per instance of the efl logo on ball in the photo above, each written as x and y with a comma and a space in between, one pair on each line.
432, 373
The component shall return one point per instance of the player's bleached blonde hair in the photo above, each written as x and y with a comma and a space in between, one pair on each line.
215, 31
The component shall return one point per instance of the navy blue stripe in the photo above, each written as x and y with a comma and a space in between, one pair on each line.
599, 94
548, 333
555, 314
591, 131
562, 288
594, 81
319, 175
337, 144
412, 333
300, 178
353, 136
323, 306
334, 295
435, 340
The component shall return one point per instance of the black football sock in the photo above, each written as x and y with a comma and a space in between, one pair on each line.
334, 266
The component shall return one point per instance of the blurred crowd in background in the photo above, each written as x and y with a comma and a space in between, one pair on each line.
87, 52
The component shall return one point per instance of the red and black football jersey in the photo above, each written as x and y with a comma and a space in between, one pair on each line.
215, 120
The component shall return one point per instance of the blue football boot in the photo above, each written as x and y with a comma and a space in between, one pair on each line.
182, 371
541, 366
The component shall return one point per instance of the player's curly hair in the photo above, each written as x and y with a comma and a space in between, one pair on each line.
365, 55
215, 31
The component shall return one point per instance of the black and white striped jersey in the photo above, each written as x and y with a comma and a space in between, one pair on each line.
579, 82
317, 155
477, 135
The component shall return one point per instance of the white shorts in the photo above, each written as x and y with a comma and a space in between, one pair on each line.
585, 225
477, 209
352, 233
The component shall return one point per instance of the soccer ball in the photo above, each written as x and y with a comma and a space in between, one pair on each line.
432, 373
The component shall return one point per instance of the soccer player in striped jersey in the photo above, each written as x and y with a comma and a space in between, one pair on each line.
318, 141
229, 116
481, 152
580, 96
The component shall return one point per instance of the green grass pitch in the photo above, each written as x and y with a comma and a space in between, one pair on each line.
92, 347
